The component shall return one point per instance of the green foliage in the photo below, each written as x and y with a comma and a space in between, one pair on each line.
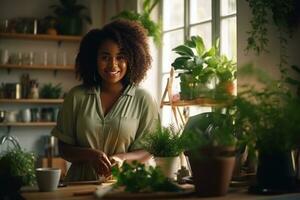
154, 29
137, 178
293, 81
18, 164
203, 64
284, 17
271, 117
211, 129
164, 142
70, 9
51, 91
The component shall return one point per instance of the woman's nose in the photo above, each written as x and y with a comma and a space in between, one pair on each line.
113, 62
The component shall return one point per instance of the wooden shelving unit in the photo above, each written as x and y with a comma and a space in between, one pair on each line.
29, 124
180, 117
45, 37
38, 67
32, 101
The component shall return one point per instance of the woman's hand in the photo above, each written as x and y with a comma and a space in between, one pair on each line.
101, 164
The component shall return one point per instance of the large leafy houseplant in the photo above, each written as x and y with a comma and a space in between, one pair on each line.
69, 17
153, 28
17, 169
198, 66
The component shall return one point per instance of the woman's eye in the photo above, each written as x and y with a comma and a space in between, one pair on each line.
121, 58
104, 57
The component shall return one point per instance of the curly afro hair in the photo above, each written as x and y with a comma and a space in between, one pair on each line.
130, 36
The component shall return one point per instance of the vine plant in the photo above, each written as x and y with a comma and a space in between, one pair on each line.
284, 15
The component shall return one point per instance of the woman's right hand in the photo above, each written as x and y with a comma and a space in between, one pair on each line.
101, 164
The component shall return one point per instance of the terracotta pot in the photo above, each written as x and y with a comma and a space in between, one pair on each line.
212, 170
228, 87
168, 165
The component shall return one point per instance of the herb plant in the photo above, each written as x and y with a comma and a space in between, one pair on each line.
51, 91
164, 142
16, 170
137, 178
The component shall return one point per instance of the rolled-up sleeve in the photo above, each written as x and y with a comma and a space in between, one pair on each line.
149, 120
65, 128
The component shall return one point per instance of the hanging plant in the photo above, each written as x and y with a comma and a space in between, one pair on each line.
285, 16
153, 28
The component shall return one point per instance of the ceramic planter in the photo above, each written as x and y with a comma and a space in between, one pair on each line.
212, 169
275, 173
168, 165
226, 88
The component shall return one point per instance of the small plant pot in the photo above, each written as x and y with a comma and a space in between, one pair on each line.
212, 170
168, 165
225, 89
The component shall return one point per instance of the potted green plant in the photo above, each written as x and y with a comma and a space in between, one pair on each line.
69, 16
226, 73
16, 170
273, 122
153, 28
49, 91
212, 148
194, 71
165, 144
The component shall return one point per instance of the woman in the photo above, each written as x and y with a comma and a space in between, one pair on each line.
102, 120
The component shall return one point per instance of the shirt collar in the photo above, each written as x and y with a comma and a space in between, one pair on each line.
129, 90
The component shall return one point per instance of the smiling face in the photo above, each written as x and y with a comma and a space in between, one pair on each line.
112, 63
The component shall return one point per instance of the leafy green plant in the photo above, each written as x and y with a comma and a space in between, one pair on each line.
164, 142
16, 170
137, 178
69, 16
51, 91
197, 65
154, 29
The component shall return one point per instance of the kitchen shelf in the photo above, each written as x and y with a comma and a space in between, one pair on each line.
38, 67
32, 101
23, 124
45, 37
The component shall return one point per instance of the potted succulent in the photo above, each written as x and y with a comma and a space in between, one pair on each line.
165, 144
194, 70
16, 170
212, 149
69, 17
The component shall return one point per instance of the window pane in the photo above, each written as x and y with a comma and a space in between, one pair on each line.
170, 41
200, 10
173, 14
228, 40
228, 7
203, 30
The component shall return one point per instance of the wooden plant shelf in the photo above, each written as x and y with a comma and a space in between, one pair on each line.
44, 37
204, 102
29, 124
38, 67
32, 101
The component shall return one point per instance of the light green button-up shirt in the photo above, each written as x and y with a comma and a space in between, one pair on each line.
81, 122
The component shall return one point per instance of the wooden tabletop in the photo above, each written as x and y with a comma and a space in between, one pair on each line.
88, 192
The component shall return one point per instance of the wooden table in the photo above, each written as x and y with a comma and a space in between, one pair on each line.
86, 192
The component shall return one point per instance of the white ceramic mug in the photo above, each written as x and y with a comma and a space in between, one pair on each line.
26, 115
47, 178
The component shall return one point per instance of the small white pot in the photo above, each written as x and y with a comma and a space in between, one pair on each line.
168, 165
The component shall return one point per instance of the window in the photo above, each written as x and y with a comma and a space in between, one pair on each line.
210, 19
